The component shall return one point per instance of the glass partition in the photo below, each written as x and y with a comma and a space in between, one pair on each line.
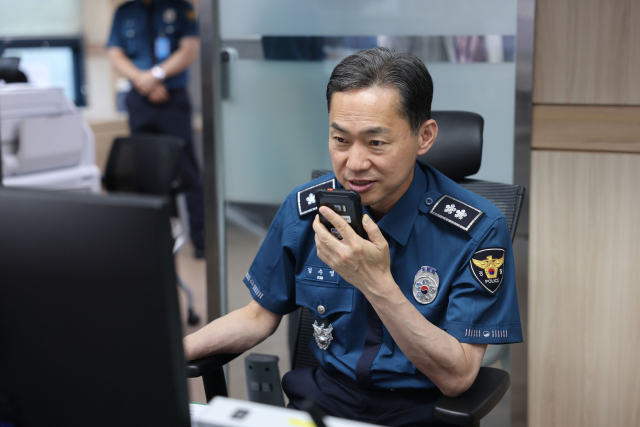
281, 54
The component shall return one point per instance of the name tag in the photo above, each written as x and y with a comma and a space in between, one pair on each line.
319, 274
162, 48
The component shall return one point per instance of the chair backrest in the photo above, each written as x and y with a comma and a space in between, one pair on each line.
144, 164
9, 71
457, 153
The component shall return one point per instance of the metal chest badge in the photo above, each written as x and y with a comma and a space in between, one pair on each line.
425, 285
322, 335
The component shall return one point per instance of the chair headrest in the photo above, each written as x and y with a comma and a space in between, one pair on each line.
457, 151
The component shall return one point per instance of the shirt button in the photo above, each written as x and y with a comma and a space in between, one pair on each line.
429, 201
321, 309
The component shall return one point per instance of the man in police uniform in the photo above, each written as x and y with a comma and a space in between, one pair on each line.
406, 315
152, 43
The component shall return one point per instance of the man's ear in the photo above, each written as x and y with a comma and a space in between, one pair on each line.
428, 134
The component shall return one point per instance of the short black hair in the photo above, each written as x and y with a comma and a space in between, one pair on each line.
384, 67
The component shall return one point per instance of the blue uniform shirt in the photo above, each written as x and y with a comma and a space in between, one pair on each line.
287, 273
172, 20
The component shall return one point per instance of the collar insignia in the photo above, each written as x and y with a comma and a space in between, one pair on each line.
456, 212
322, 335
487, 267
307, 197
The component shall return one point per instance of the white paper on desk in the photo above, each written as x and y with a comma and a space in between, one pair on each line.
227, 412
196, 410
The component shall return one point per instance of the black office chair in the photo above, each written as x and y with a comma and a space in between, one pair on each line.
9, 71
457, 153
149, 164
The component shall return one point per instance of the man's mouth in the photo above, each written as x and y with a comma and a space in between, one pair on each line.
360, 185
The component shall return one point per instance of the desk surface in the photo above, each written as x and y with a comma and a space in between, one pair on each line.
226, 412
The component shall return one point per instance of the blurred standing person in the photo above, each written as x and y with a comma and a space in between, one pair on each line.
153, 42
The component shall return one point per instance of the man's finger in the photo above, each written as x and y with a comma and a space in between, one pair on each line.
323, 235
373, 231
338, 222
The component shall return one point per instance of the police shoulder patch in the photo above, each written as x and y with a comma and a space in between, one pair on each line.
307, 198
456, 212
487, 267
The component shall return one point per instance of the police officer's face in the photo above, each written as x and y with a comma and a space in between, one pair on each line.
372, 148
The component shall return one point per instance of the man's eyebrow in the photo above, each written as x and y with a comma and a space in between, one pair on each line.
338, 128
378, 130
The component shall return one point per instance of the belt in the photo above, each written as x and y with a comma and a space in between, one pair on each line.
353, 385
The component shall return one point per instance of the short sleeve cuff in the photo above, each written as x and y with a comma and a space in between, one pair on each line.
264, 298
472, 333
190, 32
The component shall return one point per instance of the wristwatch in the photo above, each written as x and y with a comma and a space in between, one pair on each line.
158, 72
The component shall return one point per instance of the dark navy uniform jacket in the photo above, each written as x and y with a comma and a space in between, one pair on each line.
172, 19
426, 231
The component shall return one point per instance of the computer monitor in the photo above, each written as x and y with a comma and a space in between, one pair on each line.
90, 333
57, 61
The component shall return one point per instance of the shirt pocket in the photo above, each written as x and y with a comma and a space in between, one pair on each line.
131, 41
329, 305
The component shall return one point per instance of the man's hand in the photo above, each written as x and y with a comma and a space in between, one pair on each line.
159, 94
364, 264
144, 82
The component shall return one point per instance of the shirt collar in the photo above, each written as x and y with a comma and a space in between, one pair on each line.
398, 222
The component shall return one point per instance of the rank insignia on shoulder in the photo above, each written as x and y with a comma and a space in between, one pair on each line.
307, 197
456, 212
487, 267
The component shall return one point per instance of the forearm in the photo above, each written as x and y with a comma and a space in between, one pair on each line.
182, 57
122, 63
452, 366
236, 332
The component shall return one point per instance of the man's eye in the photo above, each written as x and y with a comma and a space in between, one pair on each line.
377, 143
341, 140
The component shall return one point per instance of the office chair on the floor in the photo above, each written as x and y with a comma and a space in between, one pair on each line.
149, 164
457, 153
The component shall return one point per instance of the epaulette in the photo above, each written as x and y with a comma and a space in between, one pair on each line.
307, 197
456, 212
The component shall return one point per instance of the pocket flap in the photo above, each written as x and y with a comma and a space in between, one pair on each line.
324, 300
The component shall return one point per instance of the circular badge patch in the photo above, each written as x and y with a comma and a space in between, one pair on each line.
425, 285
169, 16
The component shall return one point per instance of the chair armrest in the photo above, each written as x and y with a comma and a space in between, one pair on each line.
483, 395
199, 367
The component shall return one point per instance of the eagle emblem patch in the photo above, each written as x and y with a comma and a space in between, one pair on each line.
487, 267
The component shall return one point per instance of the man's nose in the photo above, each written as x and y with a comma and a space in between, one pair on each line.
358, 158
